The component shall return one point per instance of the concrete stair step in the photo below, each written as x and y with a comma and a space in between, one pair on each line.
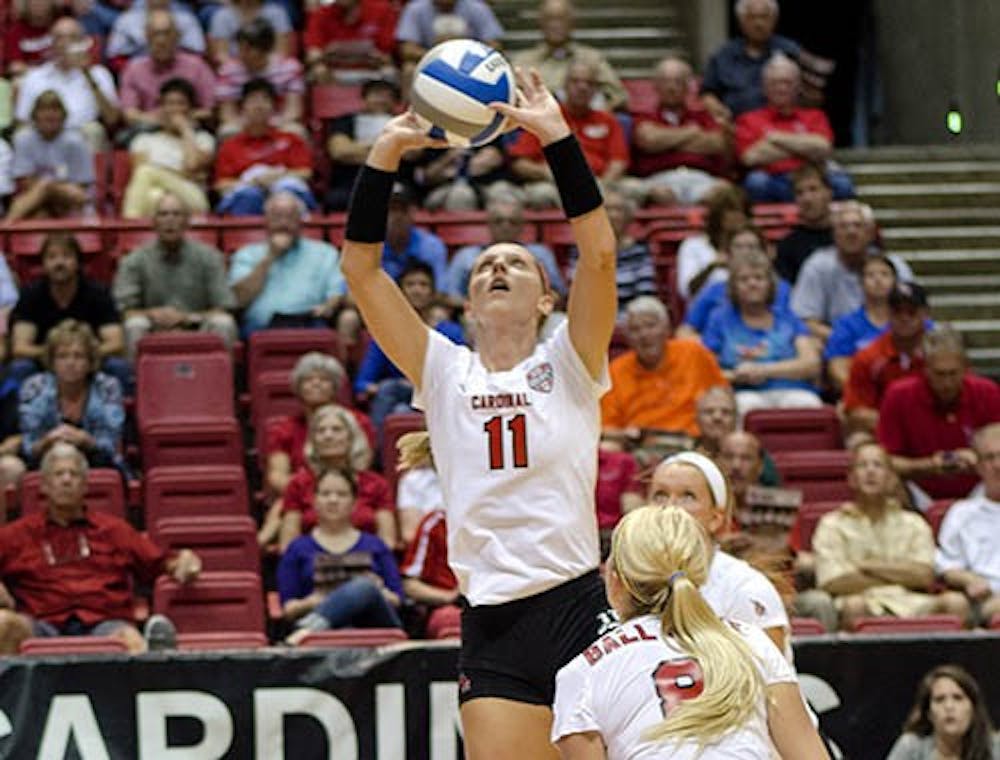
936, 171
966, 216
968, 262
980, 333
923, 194
918, 153
959, 285
904, 239
624, 37
951, 307
606, 17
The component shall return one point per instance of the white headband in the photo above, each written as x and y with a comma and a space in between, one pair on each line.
708, 468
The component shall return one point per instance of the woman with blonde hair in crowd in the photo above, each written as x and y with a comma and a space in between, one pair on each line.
336, 441
675, 680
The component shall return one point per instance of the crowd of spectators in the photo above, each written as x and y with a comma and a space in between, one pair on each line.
212, 117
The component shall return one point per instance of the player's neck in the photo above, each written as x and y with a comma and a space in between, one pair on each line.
503, 347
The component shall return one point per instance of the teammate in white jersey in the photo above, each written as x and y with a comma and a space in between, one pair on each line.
514, 428
734, 589
675, 681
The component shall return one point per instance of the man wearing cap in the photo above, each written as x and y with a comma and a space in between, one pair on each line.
896, 353
405, 242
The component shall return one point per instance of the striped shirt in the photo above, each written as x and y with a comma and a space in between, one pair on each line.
283, 72
635, 274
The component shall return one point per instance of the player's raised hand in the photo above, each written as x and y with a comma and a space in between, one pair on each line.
537, 110
401, 134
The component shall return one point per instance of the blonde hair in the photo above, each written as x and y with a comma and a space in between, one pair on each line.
414, 450
662, 557
71, 331
359, 455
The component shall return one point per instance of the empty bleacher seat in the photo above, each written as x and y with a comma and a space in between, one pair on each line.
280, 349
393, 428
195, 491
215, 601
819, 475
180, 342
796, 429
921, 624
191, 442
212, 641
222, 542
803, 626
105, 492
188, 385
57, 645
810, 514
354, 637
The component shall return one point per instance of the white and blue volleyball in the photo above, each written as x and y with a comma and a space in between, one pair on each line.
452, 87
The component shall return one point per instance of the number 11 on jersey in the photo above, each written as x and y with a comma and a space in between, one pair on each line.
517, 426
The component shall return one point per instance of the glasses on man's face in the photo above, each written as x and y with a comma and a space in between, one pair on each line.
69, 552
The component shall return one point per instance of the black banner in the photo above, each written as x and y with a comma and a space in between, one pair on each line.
395, 705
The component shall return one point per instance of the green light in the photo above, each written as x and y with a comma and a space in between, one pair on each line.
954, 121
998, 87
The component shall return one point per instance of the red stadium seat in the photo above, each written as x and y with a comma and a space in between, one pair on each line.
214, 602
105, 492
191, 442
280, 349
127, 238
936, 512
223, 542
271, 396
923, 624
354, 637
58, 645
995, 622
394, 427
796, 429
25, 239
819, 475
328, 101
195, 492
810, 514
214, 641
180, 342
235, 236
184, 385
121, 172
802, 626
457, 235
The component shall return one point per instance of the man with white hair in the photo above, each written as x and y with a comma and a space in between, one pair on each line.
732, 84
774, 141
68, 570
288, 279
829, 283
657, 383
680, 153
553, 55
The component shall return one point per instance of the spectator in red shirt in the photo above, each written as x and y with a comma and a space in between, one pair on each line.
774, 141
336, 440
355, 35
428, 580
27, 41
896, 353
261, 160
67, 571
679, 151
926, 422
599, 133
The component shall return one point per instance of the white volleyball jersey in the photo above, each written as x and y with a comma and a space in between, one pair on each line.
627, 681
516, 452
737, 591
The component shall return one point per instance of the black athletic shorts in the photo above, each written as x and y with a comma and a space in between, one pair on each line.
514, 650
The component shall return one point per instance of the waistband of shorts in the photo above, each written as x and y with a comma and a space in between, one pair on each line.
563, 592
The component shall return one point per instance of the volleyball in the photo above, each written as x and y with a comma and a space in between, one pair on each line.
452, 86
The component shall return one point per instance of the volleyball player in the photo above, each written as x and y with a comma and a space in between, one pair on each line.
514, 428
674, 680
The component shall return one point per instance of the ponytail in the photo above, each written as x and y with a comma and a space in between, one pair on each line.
661, 556
414, 450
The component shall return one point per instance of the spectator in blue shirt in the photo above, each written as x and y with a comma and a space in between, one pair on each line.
405, 242
337, 576
766, 353
288, 280
855, 330
378, 379
505, 219
715, 294
733, 84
